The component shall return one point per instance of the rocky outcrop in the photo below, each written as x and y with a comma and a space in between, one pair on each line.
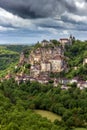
23, 59
47, 58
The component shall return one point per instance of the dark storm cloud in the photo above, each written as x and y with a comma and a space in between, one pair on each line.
55, 27
76, 28
37, 8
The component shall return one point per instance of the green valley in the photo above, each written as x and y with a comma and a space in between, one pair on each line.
9, 57
29, 103
43, 64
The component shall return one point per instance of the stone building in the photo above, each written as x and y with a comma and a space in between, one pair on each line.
85, 61
35, 71
45, 42
37, 58
66, 41
57, 64
45, 66
45, 59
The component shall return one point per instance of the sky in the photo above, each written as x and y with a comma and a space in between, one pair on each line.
30, 21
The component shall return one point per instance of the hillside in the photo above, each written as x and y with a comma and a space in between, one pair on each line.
24, 97
20, 104
48, 61
16, 115
9, 57
76, 55
44, 58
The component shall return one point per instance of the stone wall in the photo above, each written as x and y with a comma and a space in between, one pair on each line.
45, 67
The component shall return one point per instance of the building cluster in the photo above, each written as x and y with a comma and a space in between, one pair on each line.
67, 41
45, 60
79, 83
63, 82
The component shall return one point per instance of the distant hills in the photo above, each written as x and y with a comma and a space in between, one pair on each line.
9, 56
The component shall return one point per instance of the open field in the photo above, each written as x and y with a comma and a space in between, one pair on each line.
51, 116
80, 129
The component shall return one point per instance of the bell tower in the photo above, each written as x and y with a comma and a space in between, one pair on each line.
71, 39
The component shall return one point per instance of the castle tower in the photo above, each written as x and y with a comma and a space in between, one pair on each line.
71, 39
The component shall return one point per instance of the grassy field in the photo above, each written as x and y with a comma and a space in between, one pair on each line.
49, 115
80, 129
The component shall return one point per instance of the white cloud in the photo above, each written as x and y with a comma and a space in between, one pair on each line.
6, 29
45, 24
65, 32
7, 18
50, 30
74, 17
80, 5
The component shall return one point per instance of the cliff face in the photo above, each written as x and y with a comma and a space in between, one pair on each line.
46, 59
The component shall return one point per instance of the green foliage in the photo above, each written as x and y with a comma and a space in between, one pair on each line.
16, 102
55, 42
27, 66
76, 54
9, 57
17, 48
14, 109
38, 45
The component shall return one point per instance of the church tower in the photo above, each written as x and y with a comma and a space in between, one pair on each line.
71, 39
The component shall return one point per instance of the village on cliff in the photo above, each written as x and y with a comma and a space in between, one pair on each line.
44, 60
